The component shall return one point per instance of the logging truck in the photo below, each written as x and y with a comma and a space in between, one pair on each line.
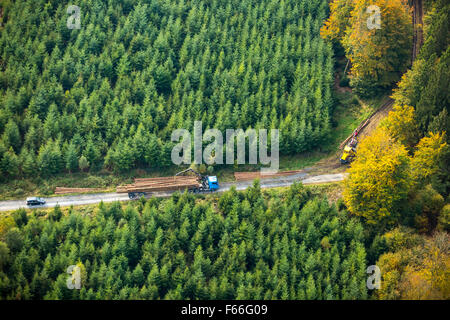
196, 184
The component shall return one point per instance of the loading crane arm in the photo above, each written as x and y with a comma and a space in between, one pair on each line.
189, 170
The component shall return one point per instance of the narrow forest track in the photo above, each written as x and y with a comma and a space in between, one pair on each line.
371, 123
331, 164
382, 113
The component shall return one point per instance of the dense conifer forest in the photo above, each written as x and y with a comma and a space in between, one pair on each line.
108, 95
113, 91
245, 245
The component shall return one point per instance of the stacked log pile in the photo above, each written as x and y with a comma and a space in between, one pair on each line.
242, 176
160, 184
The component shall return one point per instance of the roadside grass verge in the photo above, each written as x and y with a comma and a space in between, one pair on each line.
333, 192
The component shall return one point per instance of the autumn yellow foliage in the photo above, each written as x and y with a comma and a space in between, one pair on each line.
380, 55
430, 151
6, 224
402, 125
334, 28
416, 272
379, 178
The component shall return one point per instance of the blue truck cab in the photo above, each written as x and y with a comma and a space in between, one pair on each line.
213, 183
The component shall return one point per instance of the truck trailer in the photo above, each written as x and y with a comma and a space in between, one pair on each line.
196, 184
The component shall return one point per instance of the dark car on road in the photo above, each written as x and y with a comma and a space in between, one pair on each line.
35, 201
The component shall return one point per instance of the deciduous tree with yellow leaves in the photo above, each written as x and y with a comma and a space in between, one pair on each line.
379, 179
340, 13
402, 125
430, 153
423, 174
379, 55
418, 269
427, 159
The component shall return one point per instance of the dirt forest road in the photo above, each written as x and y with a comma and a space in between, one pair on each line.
86, 199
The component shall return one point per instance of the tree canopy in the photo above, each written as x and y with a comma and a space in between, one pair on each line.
378, 55
379, 179
115, 89
247, 245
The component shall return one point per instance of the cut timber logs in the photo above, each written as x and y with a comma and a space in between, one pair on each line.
160, 184
241, 176
63, 190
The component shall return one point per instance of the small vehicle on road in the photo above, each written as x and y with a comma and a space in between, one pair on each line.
35, 201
